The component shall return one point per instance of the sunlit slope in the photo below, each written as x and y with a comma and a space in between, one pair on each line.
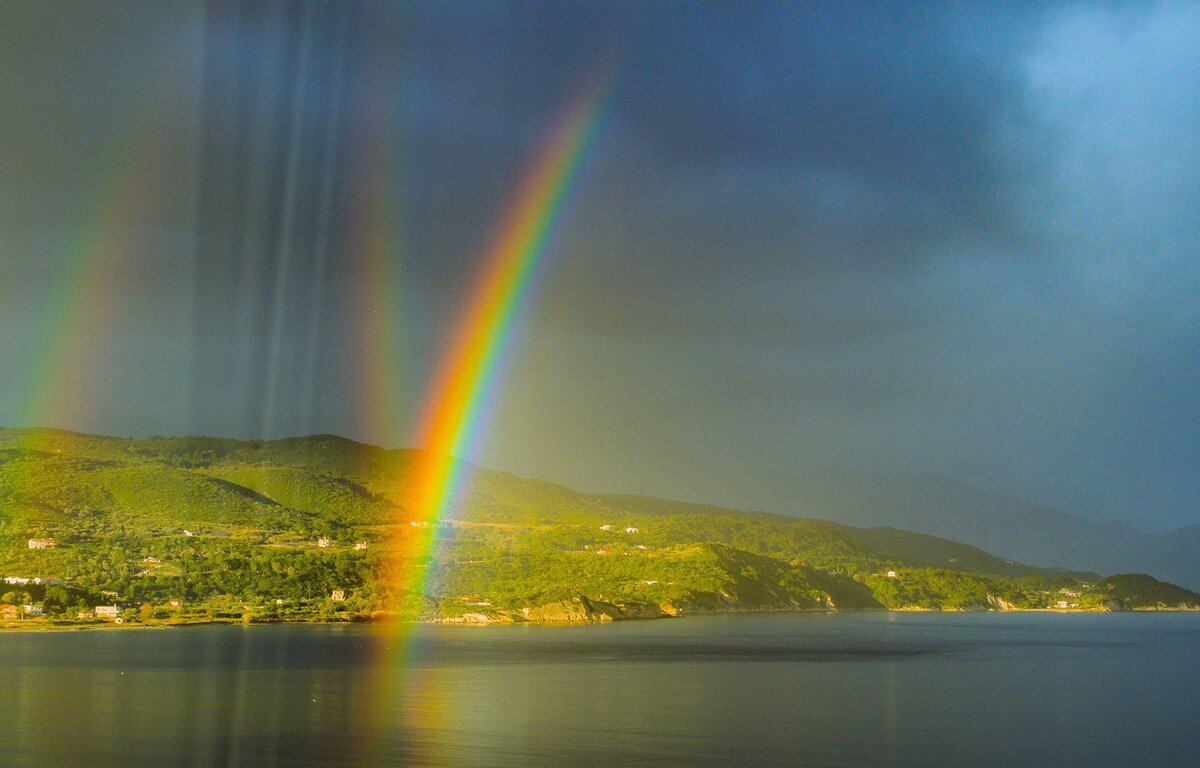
704, 576
332, 498
214, 519
56, 489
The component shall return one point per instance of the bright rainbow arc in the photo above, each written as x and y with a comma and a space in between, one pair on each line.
455, 414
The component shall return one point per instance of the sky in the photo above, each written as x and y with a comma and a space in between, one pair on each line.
955, 239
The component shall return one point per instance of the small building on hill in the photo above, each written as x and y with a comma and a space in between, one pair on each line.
33, 610
324, 543
337, 595
42, 543
107, 612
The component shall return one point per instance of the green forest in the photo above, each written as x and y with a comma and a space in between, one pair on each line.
320, 528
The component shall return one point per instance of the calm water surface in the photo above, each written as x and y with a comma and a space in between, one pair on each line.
780, 689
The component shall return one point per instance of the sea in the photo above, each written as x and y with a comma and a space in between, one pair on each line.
778, 689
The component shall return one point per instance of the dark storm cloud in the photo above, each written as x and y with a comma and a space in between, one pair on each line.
780, 144
912, 237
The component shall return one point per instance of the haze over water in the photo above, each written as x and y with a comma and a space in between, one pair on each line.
774, 689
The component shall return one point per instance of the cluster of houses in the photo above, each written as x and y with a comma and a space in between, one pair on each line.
10, 612
605, 551
1067, 592
325, 543
36, 610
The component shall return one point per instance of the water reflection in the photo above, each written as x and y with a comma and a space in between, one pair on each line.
766, 690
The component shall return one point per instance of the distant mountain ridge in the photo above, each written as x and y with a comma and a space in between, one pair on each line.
1007, 526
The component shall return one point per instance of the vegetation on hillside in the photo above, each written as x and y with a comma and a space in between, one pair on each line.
278, 529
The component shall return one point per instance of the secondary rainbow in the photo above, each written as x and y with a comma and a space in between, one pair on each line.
376, 249
91, 271
455, 410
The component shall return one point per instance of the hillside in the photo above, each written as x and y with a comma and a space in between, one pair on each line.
273, 529
1009, 526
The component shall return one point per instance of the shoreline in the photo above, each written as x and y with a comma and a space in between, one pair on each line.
36, 626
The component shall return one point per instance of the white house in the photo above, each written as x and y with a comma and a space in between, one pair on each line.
107, 611
42, 543
33, 610
360, 546
606, 527
631, 529
893, 575
338, 595
324, 543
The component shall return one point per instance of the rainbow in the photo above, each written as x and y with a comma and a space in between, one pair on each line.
466, 382
374, 244
80, 307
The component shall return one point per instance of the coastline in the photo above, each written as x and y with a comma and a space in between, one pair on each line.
37, 626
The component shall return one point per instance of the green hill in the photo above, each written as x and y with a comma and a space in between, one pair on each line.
926, 551
232, 527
